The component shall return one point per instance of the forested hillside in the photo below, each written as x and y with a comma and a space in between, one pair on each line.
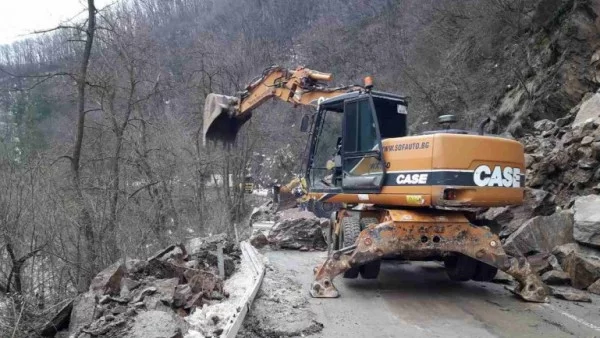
120, 170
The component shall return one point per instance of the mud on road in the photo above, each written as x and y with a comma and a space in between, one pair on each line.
408, 300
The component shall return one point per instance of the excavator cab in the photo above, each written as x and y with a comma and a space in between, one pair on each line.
361, 120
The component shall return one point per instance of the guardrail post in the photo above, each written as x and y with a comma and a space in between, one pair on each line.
221, 260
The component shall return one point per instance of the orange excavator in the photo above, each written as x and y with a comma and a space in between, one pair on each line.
405, 196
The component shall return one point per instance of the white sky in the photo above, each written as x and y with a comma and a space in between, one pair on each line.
18, 18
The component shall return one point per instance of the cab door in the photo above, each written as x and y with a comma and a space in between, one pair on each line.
363, 168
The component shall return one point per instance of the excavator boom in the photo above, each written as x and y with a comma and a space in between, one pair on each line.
224, 115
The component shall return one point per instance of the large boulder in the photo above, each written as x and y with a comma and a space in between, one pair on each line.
83, 313
561, 252
584, 270
595, 287
586, 229
506, 220
166, 289
554, 277
540, 262
299, 233
108, 281
259, 239
590, 109
202, 244
60, 321
570, 294
265, 212
541, 234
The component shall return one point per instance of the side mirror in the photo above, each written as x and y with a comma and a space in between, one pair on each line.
305, 123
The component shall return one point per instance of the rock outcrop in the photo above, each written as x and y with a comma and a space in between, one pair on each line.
558, 227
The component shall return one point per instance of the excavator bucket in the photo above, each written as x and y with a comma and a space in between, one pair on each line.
218, 123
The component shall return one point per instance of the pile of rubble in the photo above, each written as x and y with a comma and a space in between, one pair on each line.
150, 298
295, 230
558, 226
562, 156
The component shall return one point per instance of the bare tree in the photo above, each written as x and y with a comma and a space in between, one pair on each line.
84, 219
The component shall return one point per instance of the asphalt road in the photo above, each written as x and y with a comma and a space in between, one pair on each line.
418, 300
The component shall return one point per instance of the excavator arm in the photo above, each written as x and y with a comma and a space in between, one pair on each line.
224, 115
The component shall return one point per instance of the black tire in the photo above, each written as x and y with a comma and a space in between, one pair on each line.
371, 269
322, 209
350, 232
484, 272
460, 268
329, 240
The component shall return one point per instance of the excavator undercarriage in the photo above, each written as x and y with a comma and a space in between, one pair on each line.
420, 235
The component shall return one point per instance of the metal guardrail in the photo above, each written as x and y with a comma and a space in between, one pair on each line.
258, 267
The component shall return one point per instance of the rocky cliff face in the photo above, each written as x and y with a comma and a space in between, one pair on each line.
563, 159
558, 227
561, 65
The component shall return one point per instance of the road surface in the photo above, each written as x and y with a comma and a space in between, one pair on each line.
418, 300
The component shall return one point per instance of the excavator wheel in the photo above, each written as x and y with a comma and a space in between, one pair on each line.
350, 231
322, 209
371, 269
460, 268
484, 272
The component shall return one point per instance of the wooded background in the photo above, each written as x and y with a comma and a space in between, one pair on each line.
100, 120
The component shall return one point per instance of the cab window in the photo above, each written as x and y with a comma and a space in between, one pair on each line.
362, 166
361, 135
392, 116
327, 148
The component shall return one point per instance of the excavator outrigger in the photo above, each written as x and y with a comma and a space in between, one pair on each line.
404, 196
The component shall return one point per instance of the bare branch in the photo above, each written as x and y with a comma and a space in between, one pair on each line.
57, 28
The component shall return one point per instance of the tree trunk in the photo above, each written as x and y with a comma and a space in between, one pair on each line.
84, 218
17, 269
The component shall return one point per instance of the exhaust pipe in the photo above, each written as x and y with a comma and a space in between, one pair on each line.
482, 125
